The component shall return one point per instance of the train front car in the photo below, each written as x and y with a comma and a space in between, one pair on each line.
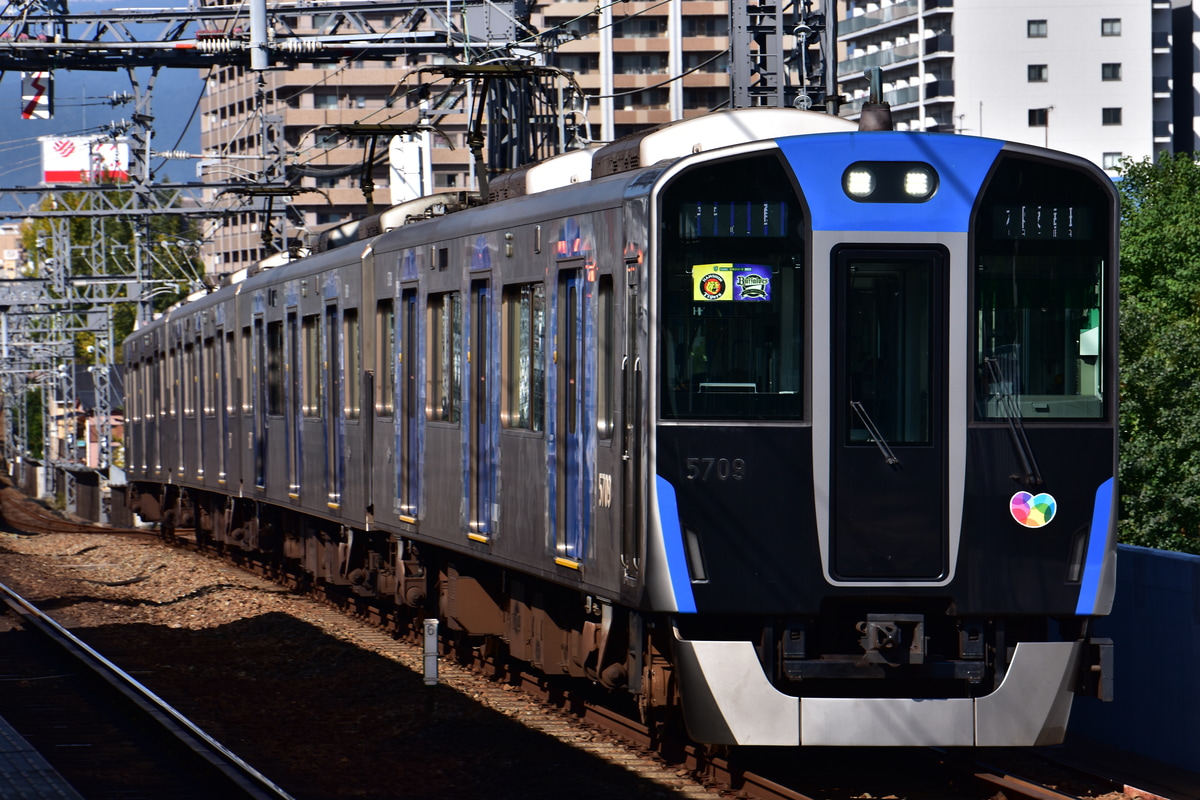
883, 437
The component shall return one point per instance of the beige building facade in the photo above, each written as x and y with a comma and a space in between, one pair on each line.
640, 64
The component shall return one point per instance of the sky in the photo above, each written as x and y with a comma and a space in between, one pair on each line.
80, 108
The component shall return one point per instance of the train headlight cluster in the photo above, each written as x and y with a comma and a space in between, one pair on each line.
890, 182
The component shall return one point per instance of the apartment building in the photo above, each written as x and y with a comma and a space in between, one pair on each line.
1090, 78
1103, 80
641, 63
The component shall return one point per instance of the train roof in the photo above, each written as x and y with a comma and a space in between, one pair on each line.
666, 142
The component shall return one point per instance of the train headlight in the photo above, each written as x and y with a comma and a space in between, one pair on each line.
918, 182
859, 182
890, 182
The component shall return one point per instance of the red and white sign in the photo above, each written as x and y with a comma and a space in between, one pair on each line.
37, 99
84, 159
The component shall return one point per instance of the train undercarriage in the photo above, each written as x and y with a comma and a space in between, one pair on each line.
904, 652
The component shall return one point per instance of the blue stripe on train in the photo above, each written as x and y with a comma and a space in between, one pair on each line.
1097, 548
962, 163
677, 570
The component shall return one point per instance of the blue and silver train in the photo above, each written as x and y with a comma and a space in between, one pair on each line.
806, 432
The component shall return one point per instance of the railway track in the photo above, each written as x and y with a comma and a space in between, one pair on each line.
570, 714
108, 735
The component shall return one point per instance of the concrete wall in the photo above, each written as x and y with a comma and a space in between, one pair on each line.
1155, 628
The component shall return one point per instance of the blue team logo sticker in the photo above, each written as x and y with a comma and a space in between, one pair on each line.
1033, 511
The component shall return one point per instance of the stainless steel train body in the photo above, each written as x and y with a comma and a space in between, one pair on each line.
814, 433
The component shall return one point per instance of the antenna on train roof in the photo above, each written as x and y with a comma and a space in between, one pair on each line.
876, 115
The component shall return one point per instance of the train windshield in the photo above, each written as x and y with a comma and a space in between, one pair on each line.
732, 293
1041, 239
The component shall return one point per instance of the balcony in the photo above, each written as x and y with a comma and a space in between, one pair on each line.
942, 43
909, 94
881, 58
880, 17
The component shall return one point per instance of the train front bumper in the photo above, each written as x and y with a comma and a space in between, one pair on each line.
727, 699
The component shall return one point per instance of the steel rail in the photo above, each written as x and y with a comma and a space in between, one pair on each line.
253, 783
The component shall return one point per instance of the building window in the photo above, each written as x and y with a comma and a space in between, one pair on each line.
1038, 73
1110, 27
1111, 116
1036, 29
325, 100
1110, 72
1111, 161
1037, 117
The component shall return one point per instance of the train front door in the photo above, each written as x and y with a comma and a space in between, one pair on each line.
889, 416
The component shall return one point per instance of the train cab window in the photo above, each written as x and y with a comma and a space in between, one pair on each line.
275, 367
311, 362
732, 272
1041, 242
524, 394
352, 339
445, 354
385, 357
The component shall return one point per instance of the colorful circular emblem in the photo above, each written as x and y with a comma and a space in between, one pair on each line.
1032, 511
712, 286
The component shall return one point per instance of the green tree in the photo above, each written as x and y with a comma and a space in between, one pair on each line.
170, 254
1160, 353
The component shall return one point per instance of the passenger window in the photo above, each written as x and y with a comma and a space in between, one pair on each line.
385, 356
444, 389
524, 401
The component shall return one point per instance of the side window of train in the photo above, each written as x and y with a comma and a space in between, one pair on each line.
247, 364
732, 276
275, 367
211, 377
312, 360
166, 397
606, 346
524, 359
188, 383
1042, 240
445, 354
352, 361
385, 358
231, 375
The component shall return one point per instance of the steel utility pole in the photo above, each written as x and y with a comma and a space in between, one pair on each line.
783, 55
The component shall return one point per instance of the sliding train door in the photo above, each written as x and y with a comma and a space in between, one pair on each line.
334, 431
482, 415
889, 416
574, 420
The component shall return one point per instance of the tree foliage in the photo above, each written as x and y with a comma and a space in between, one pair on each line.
170, 257
1160, 353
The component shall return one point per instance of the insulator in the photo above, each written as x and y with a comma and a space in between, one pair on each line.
299, 45
218, 45
172, 154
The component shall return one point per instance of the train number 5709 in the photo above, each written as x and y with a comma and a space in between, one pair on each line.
723, 469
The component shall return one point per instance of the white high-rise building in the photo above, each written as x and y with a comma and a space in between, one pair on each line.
1090, 78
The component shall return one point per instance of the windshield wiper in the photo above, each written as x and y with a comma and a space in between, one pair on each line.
1016, 427
880, 442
